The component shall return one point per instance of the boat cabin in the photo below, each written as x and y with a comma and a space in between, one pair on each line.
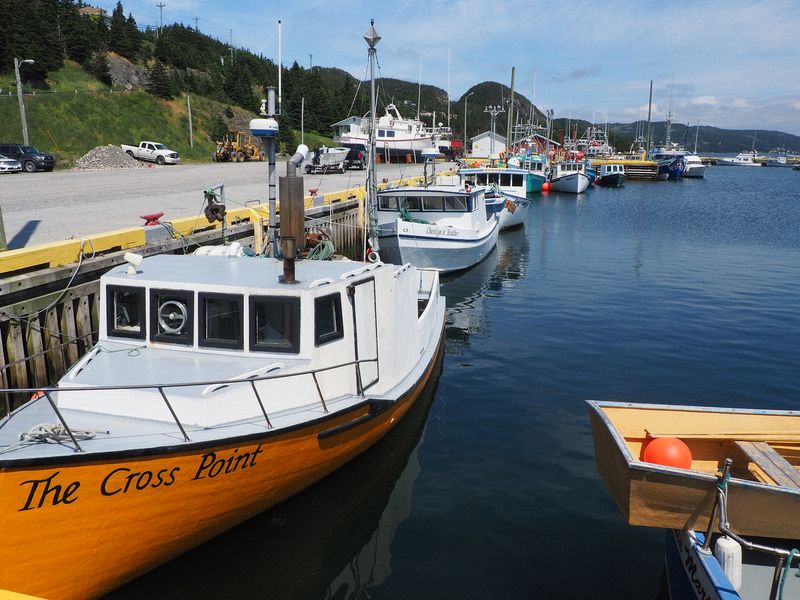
561, 169
611, 169
505, 178
442, 206
184, 319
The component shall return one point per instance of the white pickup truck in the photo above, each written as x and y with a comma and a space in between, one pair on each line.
154, 152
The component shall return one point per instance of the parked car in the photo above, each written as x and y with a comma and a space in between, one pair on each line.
9, 165
356, 157
29, 157
152, 151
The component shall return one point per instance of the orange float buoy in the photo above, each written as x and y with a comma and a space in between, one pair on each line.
667, 451
546, 186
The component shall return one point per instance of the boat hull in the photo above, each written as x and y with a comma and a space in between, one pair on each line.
574, 183
612, 180
445, 249
653, 495
693, 172
695, 574
534, 183
514, 213
118, 516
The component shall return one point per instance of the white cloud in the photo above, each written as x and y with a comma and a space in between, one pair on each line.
704, 100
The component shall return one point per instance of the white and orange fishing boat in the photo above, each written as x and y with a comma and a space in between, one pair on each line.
214, 392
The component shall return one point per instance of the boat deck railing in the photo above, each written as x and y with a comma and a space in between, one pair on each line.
47, 393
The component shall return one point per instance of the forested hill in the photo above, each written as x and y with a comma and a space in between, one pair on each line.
115, 52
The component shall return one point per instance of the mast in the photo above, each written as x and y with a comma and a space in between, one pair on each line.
649, 111
448, 90
509, 136
419, 83
696, 133
372, 38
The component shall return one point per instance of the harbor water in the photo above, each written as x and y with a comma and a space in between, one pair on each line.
682, 292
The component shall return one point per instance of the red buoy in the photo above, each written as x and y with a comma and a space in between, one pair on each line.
667, 451
546, 186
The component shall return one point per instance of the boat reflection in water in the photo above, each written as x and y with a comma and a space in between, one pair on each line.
330, 541
466, 292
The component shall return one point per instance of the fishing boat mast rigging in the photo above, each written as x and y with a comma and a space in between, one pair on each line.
372, 38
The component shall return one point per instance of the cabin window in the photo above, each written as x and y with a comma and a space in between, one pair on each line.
390, 133
172, 316
125, 312
328, 319
387, 203
455, 203
274, 324
410, 203
516, 180
381, 133
435, 203
482, 179
505, 179
221, 318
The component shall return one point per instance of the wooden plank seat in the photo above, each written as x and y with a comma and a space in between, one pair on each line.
770, 466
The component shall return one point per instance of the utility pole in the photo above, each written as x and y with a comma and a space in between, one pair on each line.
465, 121
493, 111
17, 63
161, 6
189, 109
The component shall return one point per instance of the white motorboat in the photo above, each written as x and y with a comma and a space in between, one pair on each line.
395, 137
569, 177
743, 159
436, 227
327, 160
694, 167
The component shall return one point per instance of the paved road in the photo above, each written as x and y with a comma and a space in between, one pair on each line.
47, 207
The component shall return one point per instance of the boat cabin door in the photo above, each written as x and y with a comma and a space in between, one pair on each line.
365, 327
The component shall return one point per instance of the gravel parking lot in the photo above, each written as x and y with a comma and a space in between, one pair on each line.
47, 207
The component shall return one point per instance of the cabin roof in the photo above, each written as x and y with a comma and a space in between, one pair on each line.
349, 121
173, 271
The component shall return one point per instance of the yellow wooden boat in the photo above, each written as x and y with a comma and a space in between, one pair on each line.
216, 390
764, 488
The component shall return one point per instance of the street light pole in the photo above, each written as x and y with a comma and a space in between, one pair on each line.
17, 63
465, 121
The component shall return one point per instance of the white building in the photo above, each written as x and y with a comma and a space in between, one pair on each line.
482, 144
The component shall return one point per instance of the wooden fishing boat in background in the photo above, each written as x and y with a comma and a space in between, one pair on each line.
764, 487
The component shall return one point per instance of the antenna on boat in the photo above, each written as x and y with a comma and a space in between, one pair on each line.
267, 130
372, 38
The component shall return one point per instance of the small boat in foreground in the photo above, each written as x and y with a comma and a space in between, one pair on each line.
765, 482
710, 476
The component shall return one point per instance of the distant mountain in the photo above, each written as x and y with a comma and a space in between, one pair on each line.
711, 140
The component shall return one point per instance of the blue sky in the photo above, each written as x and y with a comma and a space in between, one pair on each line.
733, 64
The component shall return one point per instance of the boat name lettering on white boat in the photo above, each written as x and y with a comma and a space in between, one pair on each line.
43, 490
690, 565
448, 231
211, 466
116, 481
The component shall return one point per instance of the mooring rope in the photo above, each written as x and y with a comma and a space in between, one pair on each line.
54, 433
